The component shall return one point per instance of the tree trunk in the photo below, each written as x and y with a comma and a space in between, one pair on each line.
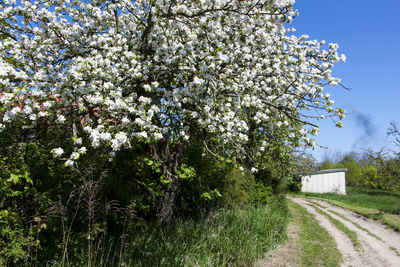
168, 167
165, 214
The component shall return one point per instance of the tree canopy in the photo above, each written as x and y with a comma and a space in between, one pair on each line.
160, 72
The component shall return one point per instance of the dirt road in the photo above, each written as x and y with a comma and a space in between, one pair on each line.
379, 246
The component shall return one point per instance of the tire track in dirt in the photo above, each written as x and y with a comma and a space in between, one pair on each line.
384, 242
351, 256
381, 251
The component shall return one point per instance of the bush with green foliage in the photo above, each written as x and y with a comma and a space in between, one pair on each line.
353, 173
20, 202
16, 234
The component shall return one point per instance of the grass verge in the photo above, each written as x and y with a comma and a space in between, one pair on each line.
318, 248
391, 220
351, 234
223, 238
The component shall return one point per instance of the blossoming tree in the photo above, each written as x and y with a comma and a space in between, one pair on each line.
160, 71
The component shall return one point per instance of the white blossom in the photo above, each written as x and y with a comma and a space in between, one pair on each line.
147, 88
69, 163
209, 66
74, 156
27, 110
155, 84
60, 119
57, 152
82, 150
158, 136
125, 120
78, 141
32, 117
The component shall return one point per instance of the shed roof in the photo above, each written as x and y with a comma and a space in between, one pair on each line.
330, 171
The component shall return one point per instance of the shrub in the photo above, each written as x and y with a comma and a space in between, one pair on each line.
294, 183
260, 194
353, 173
17, 235
370, 177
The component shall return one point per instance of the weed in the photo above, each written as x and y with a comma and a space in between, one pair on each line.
395, 250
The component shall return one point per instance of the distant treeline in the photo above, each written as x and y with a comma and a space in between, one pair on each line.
373, 170
369, 169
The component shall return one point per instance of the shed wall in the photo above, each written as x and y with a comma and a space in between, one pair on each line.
334, 182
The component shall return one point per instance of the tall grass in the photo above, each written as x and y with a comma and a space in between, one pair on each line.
225, 237
222, 238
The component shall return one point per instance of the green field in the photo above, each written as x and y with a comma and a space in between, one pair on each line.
384, 201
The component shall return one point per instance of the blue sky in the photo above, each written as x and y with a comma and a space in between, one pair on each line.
368, 32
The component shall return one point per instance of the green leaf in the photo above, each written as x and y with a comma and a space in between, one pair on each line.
186, 172
164, 180
14, 178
